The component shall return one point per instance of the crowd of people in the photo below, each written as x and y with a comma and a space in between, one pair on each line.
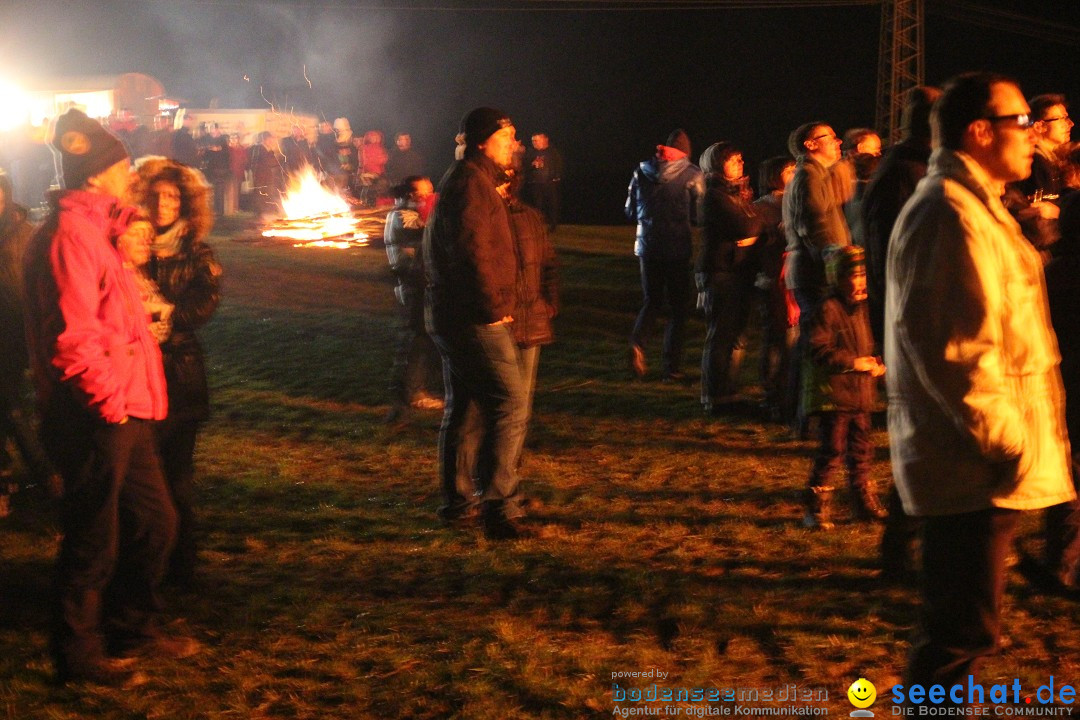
946, 266
101, 306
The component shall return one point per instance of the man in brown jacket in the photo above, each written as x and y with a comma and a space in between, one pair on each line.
472, 290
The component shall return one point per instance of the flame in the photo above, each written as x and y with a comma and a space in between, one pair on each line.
316, 216
306, 197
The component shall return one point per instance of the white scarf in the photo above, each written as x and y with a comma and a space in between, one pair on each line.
168, 243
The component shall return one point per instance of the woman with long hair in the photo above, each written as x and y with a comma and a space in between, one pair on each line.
177, 201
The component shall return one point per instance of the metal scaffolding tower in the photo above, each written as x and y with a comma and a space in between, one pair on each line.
901, 65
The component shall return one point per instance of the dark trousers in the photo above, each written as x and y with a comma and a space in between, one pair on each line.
963, 584
15, 424
119, 527
544, 196
662, 279
220, 182
728, 301
843, 435
483, 424
900, 537
1061, 531
777, 346
176, 443
808, 300
415, 356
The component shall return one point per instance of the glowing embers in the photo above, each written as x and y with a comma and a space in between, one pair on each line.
315, 216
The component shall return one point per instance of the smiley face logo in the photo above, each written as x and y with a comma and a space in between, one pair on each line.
862, 693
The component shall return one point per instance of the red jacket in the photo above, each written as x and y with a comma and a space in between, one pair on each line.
86, 326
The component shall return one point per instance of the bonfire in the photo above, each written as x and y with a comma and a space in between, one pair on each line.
316, 216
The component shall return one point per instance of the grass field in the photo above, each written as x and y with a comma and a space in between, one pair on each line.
668, 541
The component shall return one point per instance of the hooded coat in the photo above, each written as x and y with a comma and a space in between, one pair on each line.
664, 200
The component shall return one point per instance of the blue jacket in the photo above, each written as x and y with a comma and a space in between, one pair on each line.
664, 199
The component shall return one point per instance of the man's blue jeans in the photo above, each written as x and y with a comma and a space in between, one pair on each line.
484, 422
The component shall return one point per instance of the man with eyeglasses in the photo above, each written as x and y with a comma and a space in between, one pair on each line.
813, 220
1053, 128
976, 405
1034, 200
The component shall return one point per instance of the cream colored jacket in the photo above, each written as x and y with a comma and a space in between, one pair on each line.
976, 404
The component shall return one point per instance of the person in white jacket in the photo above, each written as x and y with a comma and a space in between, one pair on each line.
976, 405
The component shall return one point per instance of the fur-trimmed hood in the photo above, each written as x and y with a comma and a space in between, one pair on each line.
195, 192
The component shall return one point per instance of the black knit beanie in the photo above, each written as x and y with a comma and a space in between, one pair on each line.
83, 148
679, 140
481, 123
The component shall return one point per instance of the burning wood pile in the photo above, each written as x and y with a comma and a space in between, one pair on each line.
318, 217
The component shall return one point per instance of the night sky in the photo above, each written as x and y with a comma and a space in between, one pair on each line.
607, 85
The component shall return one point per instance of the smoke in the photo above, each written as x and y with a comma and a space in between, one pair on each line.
605, 86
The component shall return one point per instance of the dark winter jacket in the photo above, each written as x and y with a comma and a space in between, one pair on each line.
298, 154
15, 233
771, 242
1045, 174
893, 183
813, 220
538, 281
184, 149
326, 152
469, 249
543, 166
265, 166
403, 164
1063, 289
190, 280
727, 217
664, 198
839, 333
215, 156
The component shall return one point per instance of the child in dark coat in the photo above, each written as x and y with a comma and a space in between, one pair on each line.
840, 385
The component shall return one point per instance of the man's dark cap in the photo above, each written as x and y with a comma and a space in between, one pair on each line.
679, 140
84, 148
481, 123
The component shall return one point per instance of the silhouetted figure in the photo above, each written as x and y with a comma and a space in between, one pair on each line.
543, 166
664, 198
726, 271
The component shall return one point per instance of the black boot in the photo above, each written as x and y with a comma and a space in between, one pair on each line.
818, 508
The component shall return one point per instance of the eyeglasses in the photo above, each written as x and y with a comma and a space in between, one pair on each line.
831, 137
1023, 120
1061, 117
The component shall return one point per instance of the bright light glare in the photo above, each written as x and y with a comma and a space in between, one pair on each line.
14, 106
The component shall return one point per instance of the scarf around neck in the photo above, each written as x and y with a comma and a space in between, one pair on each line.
168, 242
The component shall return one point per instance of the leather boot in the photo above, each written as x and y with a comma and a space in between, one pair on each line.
818, 508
